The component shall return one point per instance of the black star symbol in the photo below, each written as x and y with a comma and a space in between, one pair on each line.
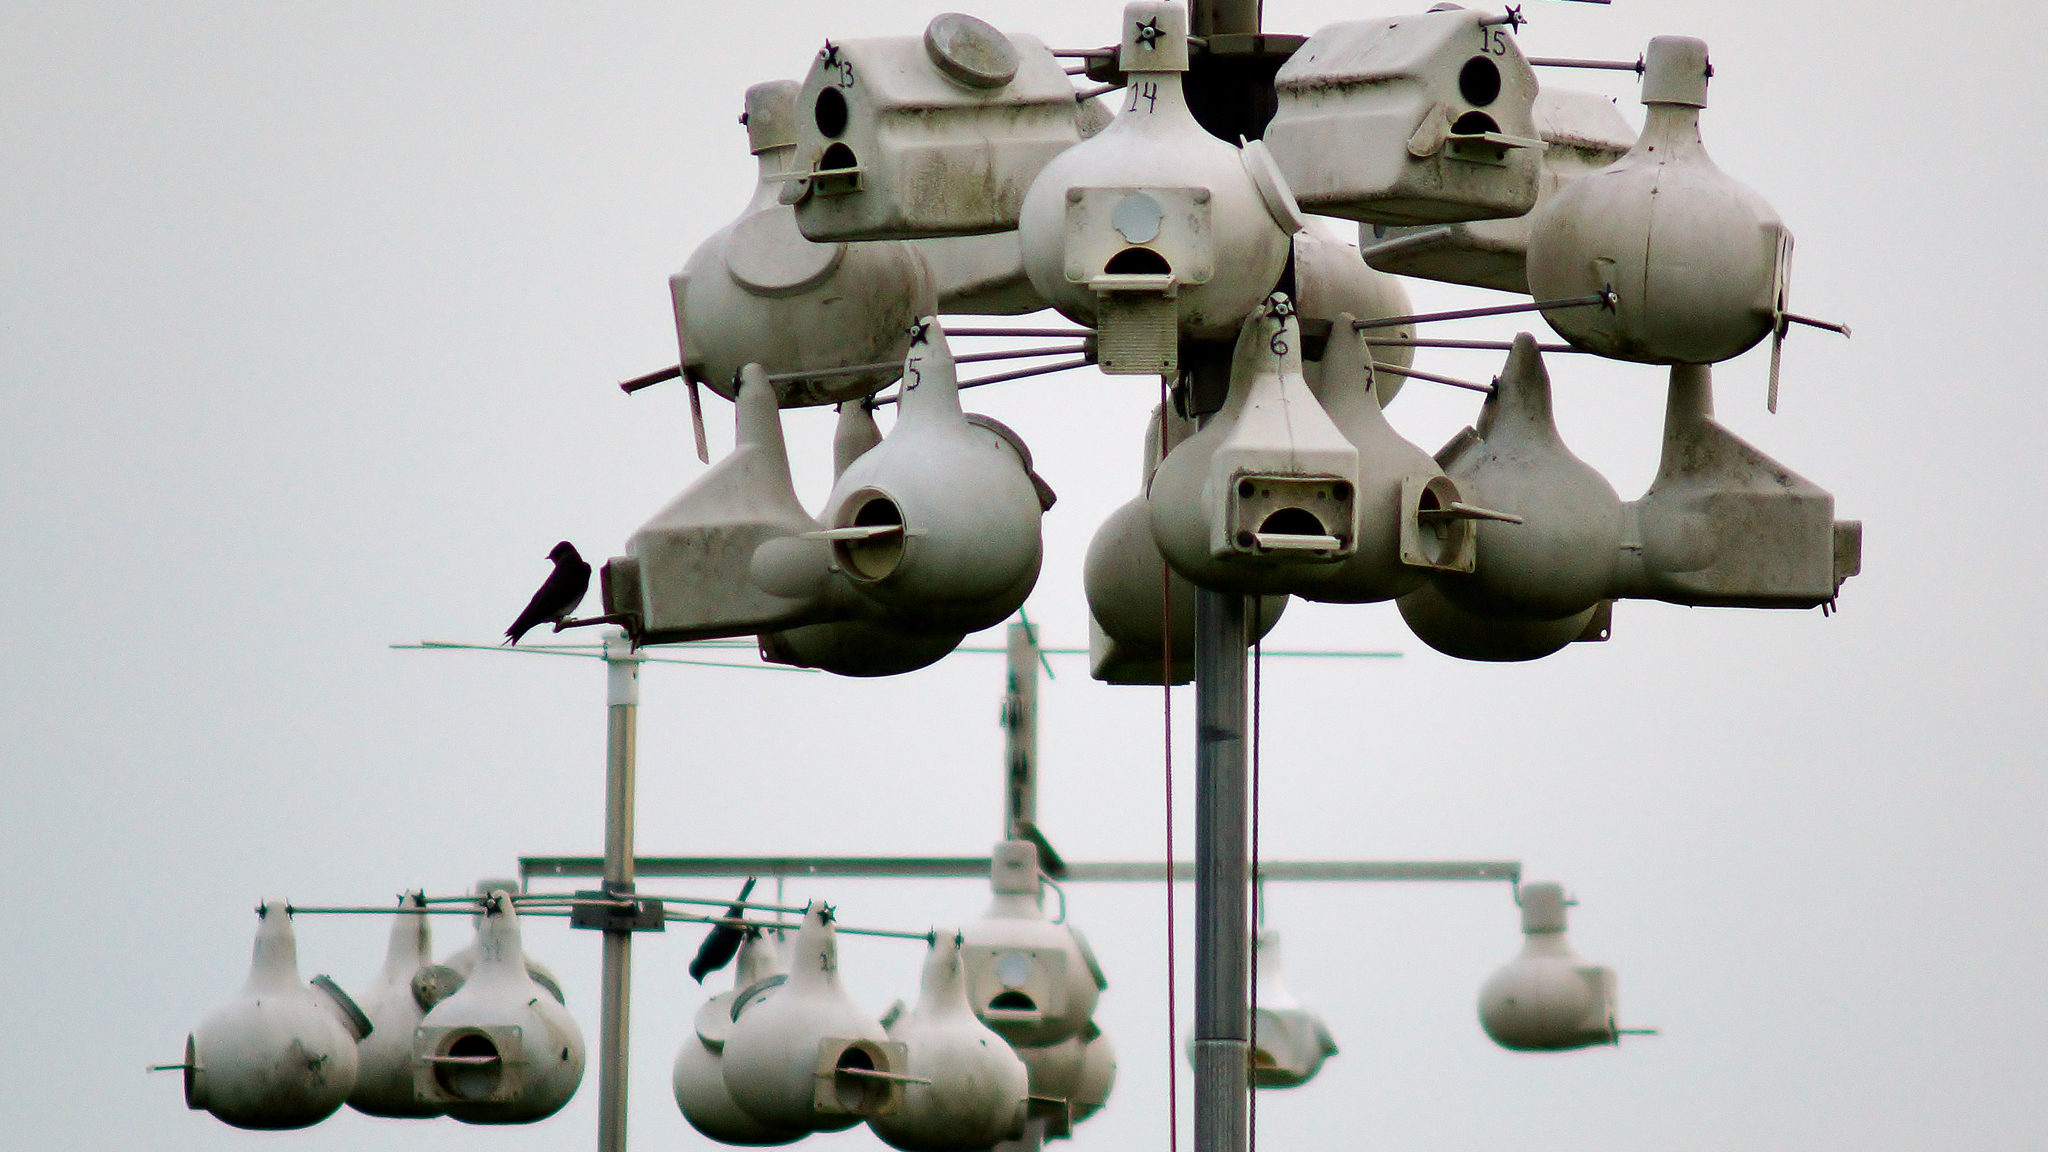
831, 54
920, 332
1279, 306
1149, 33
827, 913
1515, 17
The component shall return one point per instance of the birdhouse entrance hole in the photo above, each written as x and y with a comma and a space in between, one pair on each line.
874, 557
471, 1068
858, 1094
1470, 124
1137, 262
1479, 81
831, 114
1012, 1001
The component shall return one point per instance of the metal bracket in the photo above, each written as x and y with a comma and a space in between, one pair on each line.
617, 912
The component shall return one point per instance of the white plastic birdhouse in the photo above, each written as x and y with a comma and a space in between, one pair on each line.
1263, 499
699, 1073
729, 556
859, 648
758, 292
1126, 582
1400, 539
1154, 229
502, 1049
939, 523
806, 1058
1418, 119
1548, 525
1033, 981
1723, 524
939, 135
1070, 1080
1548, 999
1582, 132
1290, 1042
978, 1088
1331, 278
384, 1069
278, 1055
1698, 263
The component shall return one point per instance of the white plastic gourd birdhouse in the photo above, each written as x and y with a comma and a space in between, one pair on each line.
1125, 579
730, 556
1154, 229
1418, 119
939, 523
1548, 999
1697, 262
1582, 132
502, 1049
1031, 980
978, 1088
699, 1073
1330, 278
939, 135
758, 292
1456, 631
280, 1054
1263, 499
806, 1058
384, 1069
1549, 542
1070, 1080
1724, 524
1290, 1042
1400, 540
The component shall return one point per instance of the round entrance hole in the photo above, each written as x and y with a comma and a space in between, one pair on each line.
478, 1076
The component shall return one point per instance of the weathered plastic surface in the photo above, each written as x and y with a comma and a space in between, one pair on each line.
728, 557
1033, 981
1548, 999
384, 1073
784, 1055
1290, 1042
1330, 278
757, 291
1418, 119
1125, 579
938, 135
1154, 207
1395, 478
1582, 132
1560, 560
978, 1090
1070, 1080
698, 1076
1723, 524
948, 506
502, 1049
1698, 263
276, 1056
1261, 500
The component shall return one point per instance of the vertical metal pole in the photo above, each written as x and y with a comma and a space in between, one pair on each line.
1222, 932
1020, 729
622, 667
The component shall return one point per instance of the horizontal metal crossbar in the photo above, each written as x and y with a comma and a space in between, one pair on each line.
977, 868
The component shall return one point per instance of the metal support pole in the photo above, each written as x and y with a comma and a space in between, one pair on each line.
622, 667
1222, 932
1020, 729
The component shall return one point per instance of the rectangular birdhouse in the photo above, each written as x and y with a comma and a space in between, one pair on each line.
1422, 119
1582, 132
900, 138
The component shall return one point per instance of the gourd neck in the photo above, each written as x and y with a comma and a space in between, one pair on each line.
1670, 131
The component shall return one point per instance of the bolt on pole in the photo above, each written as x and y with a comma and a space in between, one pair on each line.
622, 667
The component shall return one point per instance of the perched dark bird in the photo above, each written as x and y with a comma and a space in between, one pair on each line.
724, 941
558, 596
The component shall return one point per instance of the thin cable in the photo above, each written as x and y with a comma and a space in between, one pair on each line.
1258, 886
1166, 694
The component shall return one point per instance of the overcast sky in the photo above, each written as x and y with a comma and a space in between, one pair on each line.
309, 322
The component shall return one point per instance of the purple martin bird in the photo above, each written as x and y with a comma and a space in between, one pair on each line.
723, 941
558, 596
